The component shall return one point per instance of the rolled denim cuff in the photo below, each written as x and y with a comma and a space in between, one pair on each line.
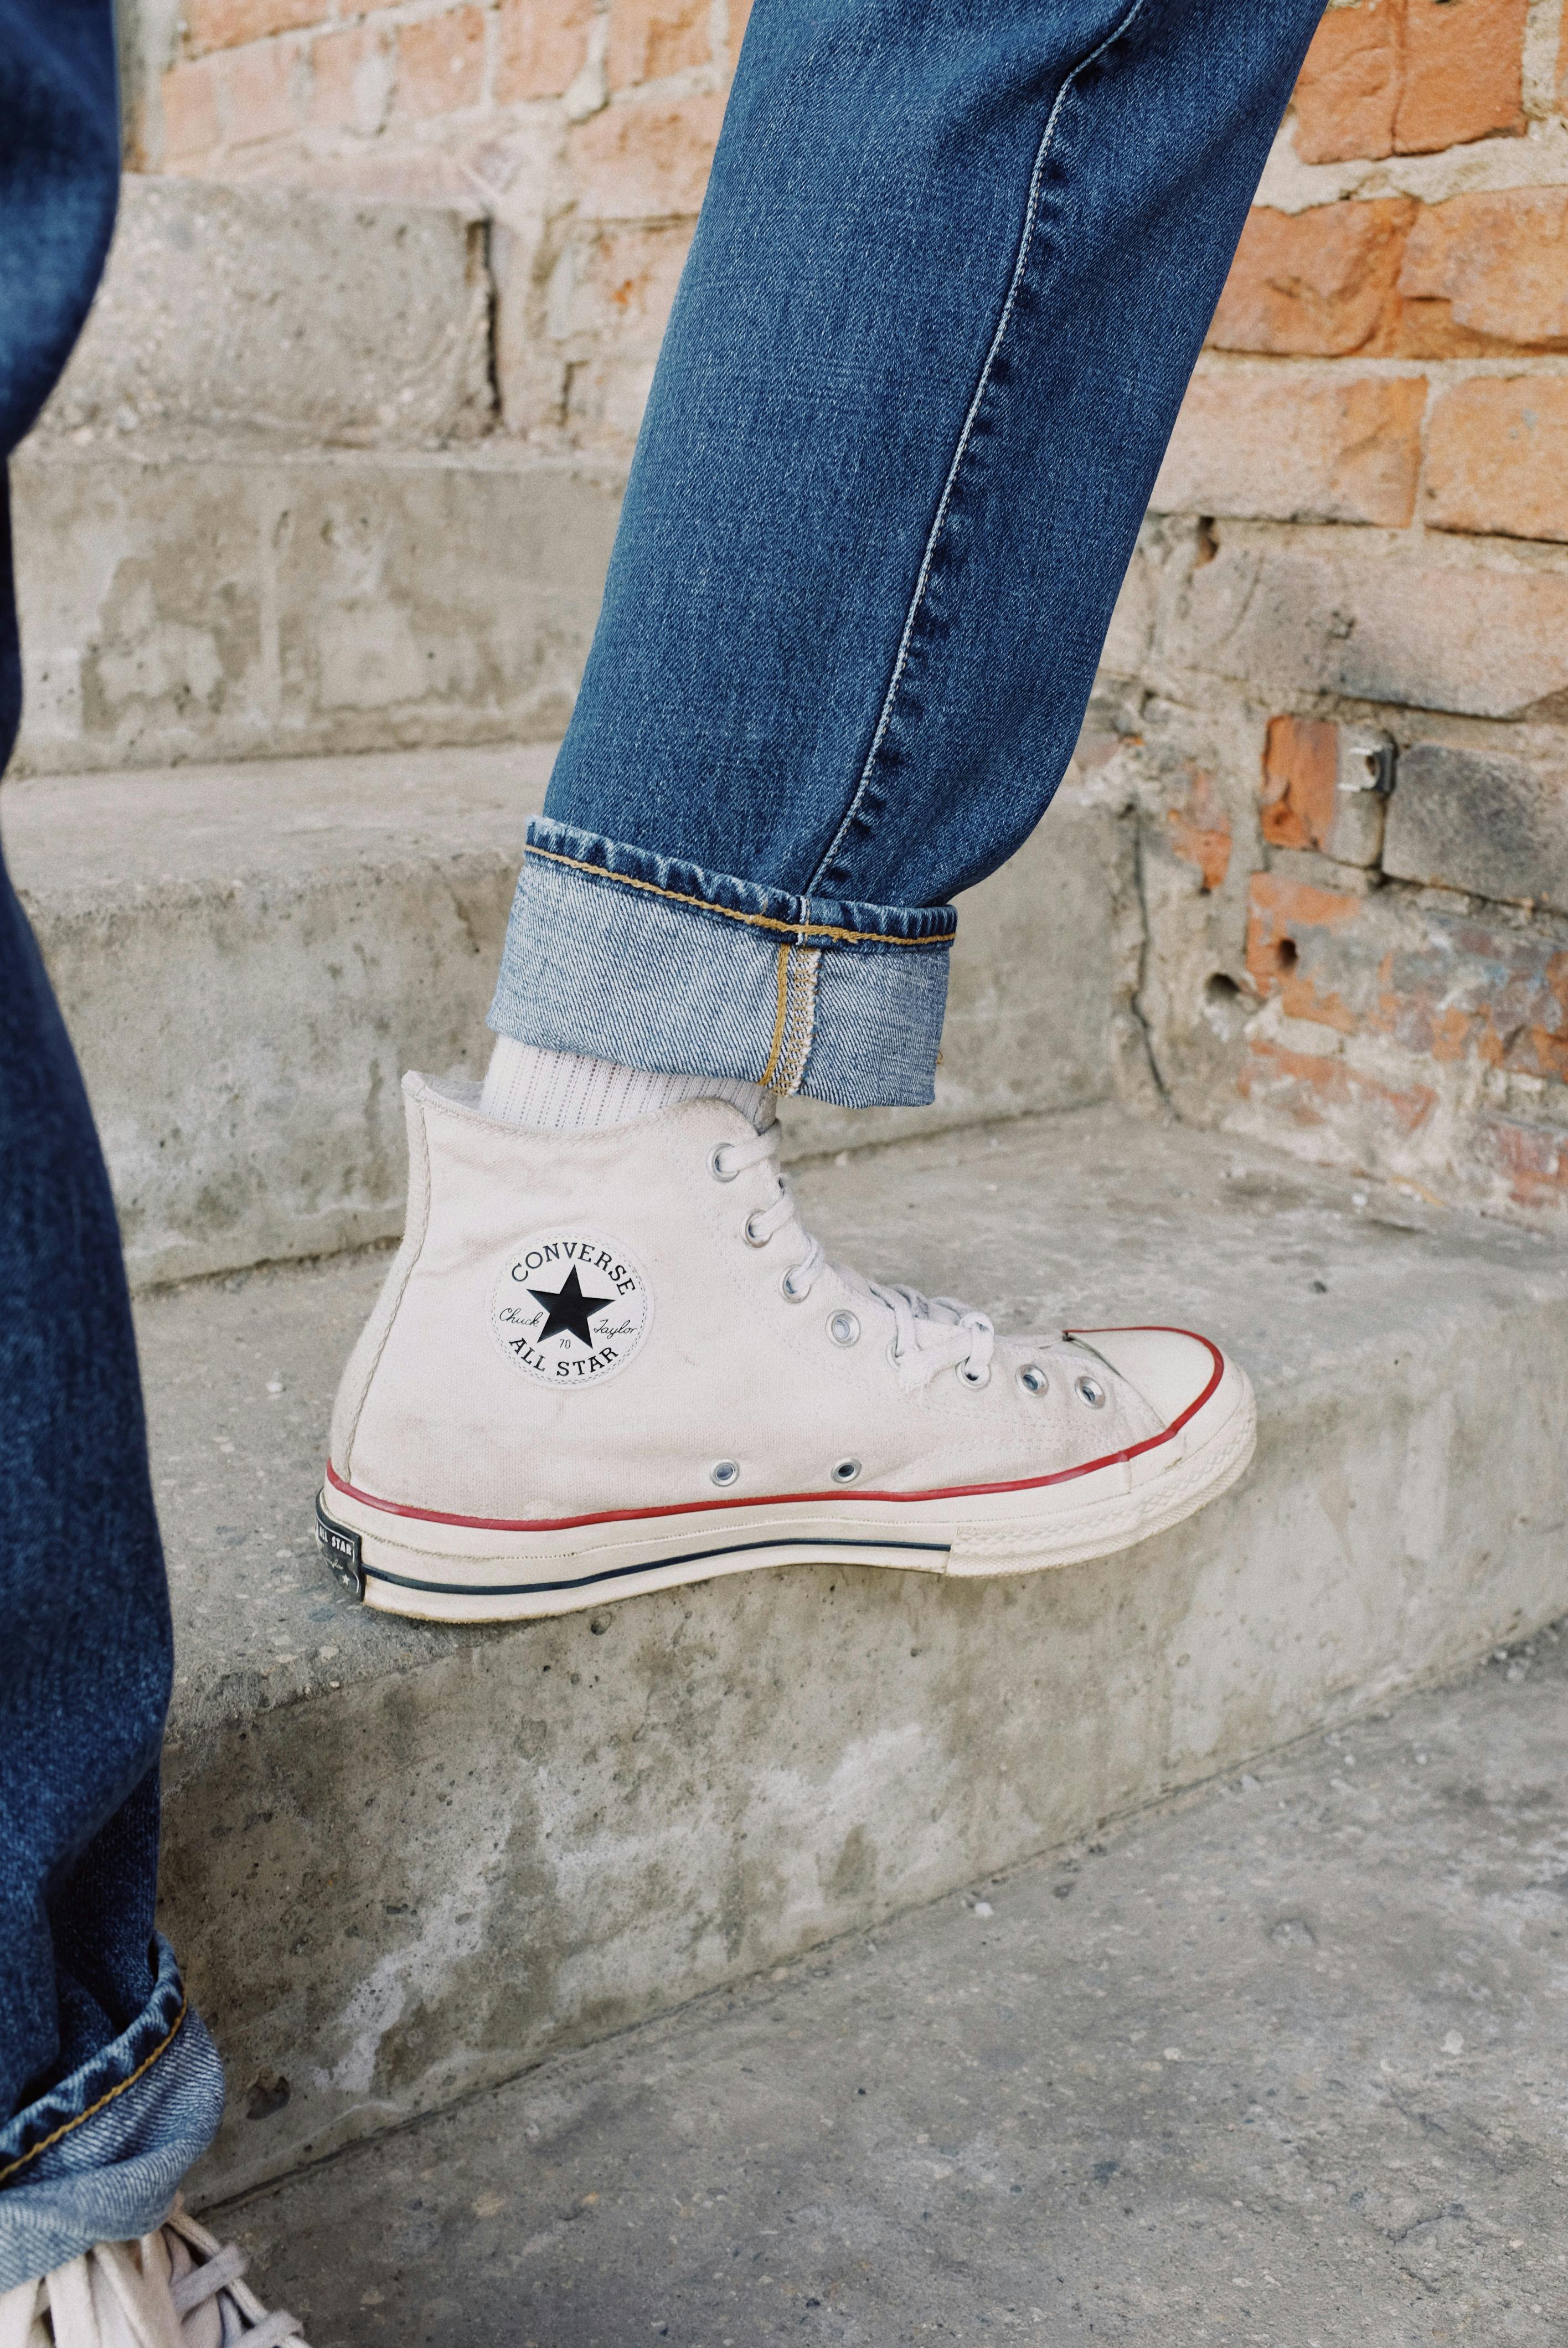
627, 956
98, 2157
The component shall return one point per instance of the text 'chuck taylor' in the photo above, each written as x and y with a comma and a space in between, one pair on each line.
610, 1361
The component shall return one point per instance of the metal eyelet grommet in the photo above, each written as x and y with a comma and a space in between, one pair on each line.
1032, 1378
844, 1471
844, 1328
752, 1237
717, 1163
724, 1472
792, 1294
1089, 1390
972, 1377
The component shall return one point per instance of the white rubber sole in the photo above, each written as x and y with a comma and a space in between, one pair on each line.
452, 1569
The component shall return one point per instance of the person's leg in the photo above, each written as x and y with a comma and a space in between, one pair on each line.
952, 272
110, 2086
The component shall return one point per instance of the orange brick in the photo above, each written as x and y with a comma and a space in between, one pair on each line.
1497, 458
1284, 446
261, 89
540, 48
1200, 831
1463, 73
1284, 916
646, 163
226, 24
740, 13
1309, 1090
441, 63
1319, 283
1301, 776
650, 37
1349, 91
191, 120
1498, 264
351, 79
1533, 1159
628, 286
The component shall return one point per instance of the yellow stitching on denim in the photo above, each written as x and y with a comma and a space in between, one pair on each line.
781, 1017
42, 2146
799, 931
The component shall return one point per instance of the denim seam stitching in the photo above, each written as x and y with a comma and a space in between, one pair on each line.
64, 2128
1026, 239
780, 1017
799, 931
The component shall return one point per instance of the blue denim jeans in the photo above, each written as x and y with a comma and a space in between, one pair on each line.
108, 2086
954, 267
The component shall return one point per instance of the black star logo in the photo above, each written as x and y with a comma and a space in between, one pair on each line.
568, 1308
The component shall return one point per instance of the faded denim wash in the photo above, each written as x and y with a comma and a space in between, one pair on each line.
108, 2086
951, 276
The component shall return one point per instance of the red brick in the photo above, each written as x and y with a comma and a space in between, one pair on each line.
652, 38
1463, 73
192, 126
1309, 1090
1318, 283
441, 63
1300, 782
226, 24
1281, 917
1533, 1159
1497, 458
627, 285
351, 78
541, 45
1349, 91
1498, 266
262, 91
646, 161
1200, 831
1282, 446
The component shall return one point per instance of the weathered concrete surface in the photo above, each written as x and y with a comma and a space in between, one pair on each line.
403, 1862
248, 959
271, 310
1279, 2066
339, 921
185, 600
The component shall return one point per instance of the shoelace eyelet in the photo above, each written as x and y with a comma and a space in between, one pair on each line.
792, 1294
844, 1328
724, 1472
718, 1167
752, 1237
1032, 1378
844, 1471
968, 1377
1089, 1390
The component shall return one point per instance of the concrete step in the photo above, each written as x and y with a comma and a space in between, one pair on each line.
340, 920
189, 596
405, 1862
276, 312
1265, 2066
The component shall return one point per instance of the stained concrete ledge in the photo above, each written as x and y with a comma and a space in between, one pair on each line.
404, 1862
190, 597
1277, 2064
250, 956
274, 310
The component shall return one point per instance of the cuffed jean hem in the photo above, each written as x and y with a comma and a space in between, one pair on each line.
98, 2159
631, 957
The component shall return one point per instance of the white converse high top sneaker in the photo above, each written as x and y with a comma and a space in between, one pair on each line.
610, 1361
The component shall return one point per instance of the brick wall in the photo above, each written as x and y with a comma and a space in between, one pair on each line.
1356, 563
582, 130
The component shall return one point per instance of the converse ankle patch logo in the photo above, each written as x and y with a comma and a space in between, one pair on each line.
570, 1308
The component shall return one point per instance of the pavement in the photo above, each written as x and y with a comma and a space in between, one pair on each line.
1281, 2063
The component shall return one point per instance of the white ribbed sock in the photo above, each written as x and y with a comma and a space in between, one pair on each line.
563, 1092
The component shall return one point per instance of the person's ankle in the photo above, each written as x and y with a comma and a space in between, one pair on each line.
567, 1092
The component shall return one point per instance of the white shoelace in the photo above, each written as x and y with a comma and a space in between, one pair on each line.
930, 1334
176, 2288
